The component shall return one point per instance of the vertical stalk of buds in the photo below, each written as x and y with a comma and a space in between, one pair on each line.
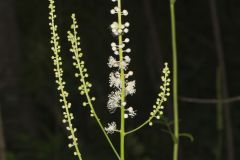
83, 75
57, 61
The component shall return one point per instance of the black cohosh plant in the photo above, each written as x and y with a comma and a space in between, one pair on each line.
120, 79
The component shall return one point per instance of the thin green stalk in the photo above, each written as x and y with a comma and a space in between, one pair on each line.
122, 76
161, 100
175, 82
83, 81
59, 80
98, 119
145, 123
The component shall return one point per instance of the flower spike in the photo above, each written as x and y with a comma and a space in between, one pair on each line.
120, 65
85, 85
57, 61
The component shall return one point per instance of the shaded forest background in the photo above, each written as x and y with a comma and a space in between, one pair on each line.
31, 115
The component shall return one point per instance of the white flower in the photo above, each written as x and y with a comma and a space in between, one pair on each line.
120, 28
130, 73
115, 28
112, 62
131, 112
114, 80
114, 101
124, 65
112, 127
130, 88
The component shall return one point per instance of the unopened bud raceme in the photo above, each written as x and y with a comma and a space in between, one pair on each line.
57, 61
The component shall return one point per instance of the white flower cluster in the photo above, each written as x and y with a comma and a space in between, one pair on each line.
119, 29
119, 78
112, 127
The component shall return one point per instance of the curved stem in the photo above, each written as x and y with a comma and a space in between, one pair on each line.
154, 113
175, 82
145, 123
83, 81
142, 125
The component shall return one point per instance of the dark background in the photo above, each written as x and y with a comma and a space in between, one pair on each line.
31, 114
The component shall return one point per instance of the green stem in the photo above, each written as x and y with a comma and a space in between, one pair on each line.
82, 80
61, 85
70, 126
151, 117
96, 116
122, 76
175, 82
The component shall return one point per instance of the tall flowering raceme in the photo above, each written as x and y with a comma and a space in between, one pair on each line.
82, 74
119, 79
57, 61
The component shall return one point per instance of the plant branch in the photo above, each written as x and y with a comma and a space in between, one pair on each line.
175, 81
156, 113
76, 50
57, 61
